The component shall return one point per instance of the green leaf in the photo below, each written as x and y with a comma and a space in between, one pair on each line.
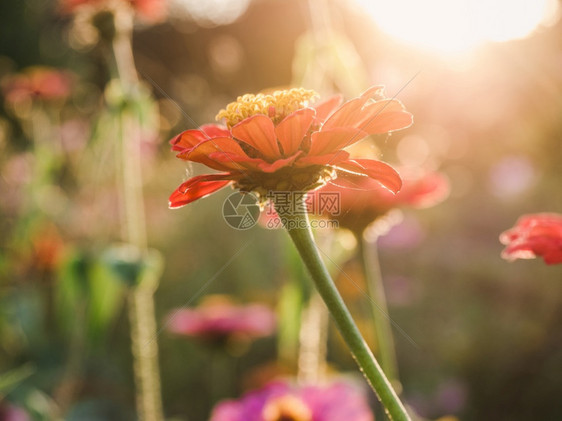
10, 379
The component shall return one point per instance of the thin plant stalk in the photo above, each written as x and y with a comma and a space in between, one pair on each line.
368, 254
299, 230
144, 345
312, 341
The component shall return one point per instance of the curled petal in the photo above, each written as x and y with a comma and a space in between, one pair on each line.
293, 129
197, 188
190, 138
258, 131
377, 170
205, 151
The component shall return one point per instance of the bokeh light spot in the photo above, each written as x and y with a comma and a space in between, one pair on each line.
452, 26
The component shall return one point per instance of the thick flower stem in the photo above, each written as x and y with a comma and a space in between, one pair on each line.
299, 230
368, 255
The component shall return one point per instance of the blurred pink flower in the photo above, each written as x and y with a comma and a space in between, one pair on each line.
362, 200
281, 401
218, 319
534, 235
10, 412
37, 82
149, 10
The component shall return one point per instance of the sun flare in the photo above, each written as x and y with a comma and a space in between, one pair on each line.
453, 26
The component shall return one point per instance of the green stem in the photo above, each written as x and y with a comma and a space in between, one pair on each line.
144, 346
299, 230
368, 254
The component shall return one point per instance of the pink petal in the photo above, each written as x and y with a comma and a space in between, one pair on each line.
377, 170
258, 131
293, 129
197, 188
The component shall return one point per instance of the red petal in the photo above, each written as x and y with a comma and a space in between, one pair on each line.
280, 163
381, 116
214, 130
327, 141
377, 170
187, 139
328, 159
326, 108
384, 117
258, 131
204, 153
346, 115
197, 188
190, 138
293, 129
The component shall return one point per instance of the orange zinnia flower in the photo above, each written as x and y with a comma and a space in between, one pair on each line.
279, 142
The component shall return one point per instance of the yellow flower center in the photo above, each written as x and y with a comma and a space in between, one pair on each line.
277, 105
287, 408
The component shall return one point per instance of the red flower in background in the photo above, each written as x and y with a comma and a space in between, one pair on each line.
534, 235
278, 142
48, 248
218, 319
38, 82
362, 200
149, 10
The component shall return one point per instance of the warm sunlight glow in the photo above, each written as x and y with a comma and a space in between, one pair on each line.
459, 25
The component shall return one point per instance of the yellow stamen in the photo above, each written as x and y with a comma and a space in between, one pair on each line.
286, 408
277, 105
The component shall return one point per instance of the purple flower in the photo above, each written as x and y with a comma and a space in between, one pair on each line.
282, 401
218, 319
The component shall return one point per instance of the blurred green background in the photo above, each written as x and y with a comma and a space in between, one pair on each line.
488, 343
